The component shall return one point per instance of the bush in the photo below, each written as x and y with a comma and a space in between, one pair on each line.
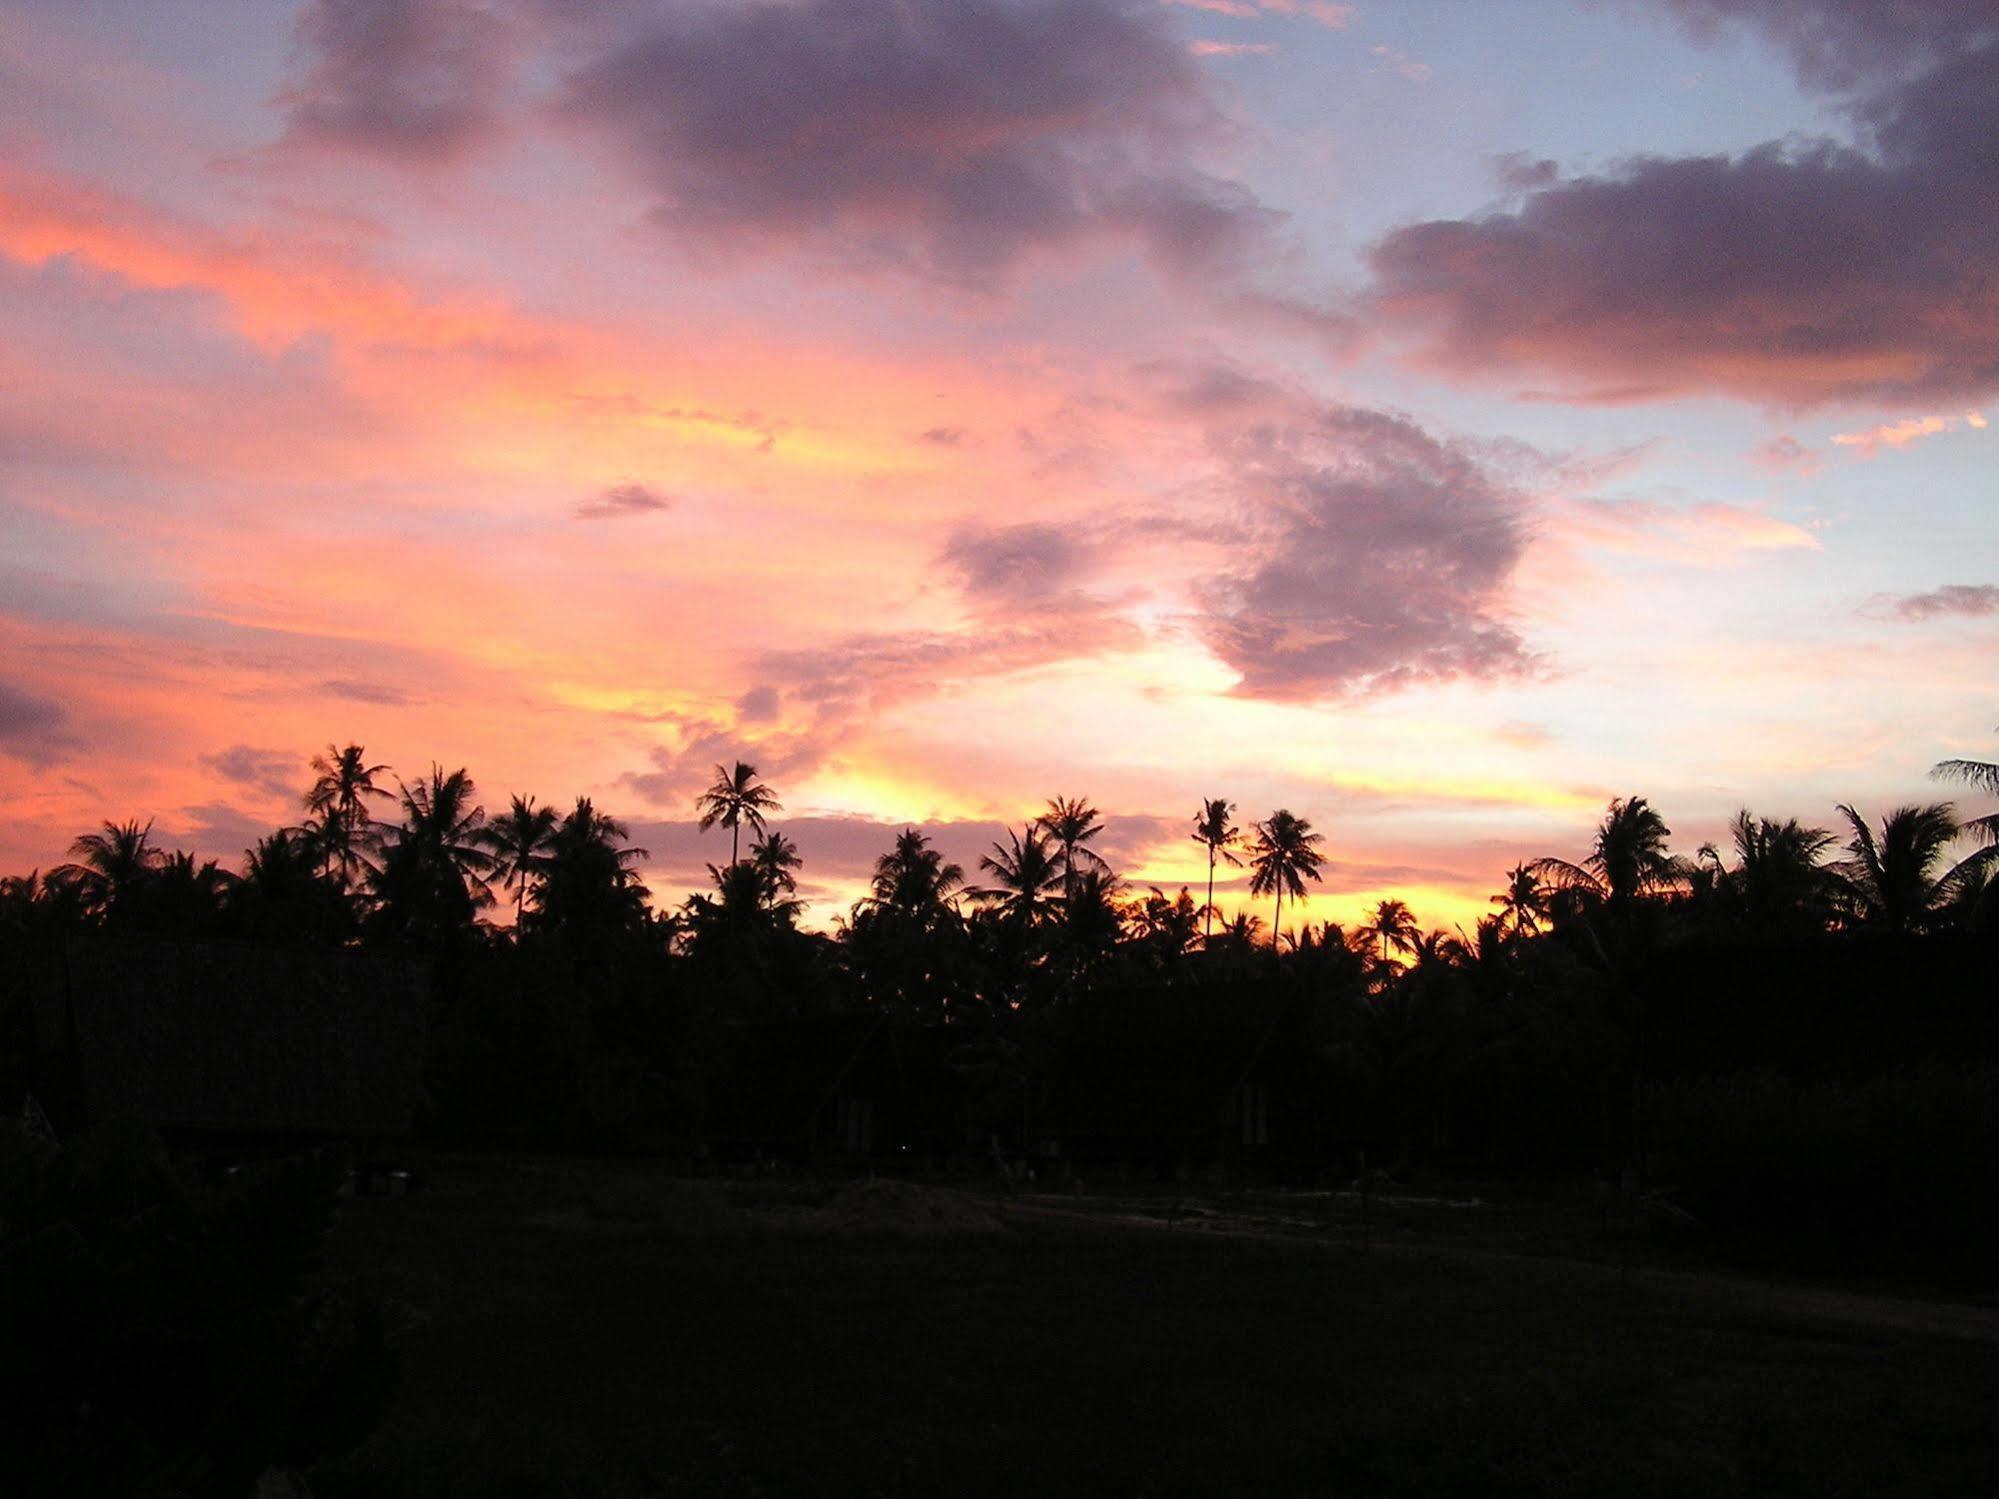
160, 1337
1903, 1162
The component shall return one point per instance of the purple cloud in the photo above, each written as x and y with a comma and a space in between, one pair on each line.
1968, 600
416, 82
621, 500
356, 690
951, 137
276, 773
1835, 44
1014, 562
1375, 558
31, 726
1794, 275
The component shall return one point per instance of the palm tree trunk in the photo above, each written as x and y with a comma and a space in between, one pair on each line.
735, 842
1277, 920
1208, 933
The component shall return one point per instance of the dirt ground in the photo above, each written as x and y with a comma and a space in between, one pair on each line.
599, 1329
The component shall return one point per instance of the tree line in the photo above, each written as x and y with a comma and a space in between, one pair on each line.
424, 863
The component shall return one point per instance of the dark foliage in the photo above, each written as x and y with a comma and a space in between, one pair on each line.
160, 1337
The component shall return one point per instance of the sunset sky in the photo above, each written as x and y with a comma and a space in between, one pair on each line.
1434, 418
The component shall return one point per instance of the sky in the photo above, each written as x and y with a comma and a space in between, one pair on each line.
1433, 419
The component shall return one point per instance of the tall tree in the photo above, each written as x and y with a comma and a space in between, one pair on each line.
287, 894
520, 840
1393, 927
774, 857
339, 799
1979, 775
112, 869
588, 885
913, 879
1213, 829
1284, 856
1627, 861
1071, 822
1026, 874
1523, 903
1892, 878
736, 797
1780, 884
188, 899
430, 879
1164, 926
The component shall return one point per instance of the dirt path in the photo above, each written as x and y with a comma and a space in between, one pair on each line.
1740, 1294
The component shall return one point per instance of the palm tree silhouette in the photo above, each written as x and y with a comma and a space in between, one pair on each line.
913, 879
1890, 879
774, 856
286, 891
587, 883
1523, 903
1627, 860
339, 799
520, 841
113, 868
1071, 822
1167, 925
1779, 882
1213, 829
1980, 775
1394, 926
1026, 872
1284, 855
431, 875
188, 899
735, 798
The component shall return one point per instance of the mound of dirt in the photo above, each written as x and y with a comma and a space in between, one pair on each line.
637, 1203
903, 1208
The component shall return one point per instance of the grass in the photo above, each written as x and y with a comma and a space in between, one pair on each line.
564, 1349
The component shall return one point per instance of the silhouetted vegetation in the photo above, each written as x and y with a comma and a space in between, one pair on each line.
1628, 1011
161, 1336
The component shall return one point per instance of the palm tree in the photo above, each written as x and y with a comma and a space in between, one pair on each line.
188, 899
286, 892
1890, 879
1627, 860
1523, 904
587, 884
736, 797
912, 878
1779, 881
1071, 822
30, 902
114, 867
339, 799
1980, 775
1092, 919
774, 856
1213, 829
520, 841
431, 875
1026, 872
1394, 926
1167, 925
1285, 854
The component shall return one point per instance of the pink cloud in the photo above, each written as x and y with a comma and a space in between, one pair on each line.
1901, 433
1708, 534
